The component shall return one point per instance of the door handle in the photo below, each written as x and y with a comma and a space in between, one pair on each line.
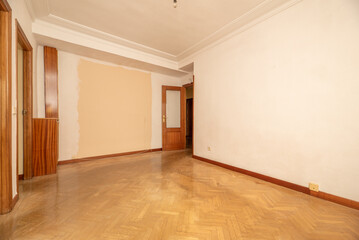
24, 112
164, 118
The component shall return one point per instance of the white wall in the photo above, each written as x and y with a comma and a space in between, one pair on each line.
20, 12
68, 84
281, 98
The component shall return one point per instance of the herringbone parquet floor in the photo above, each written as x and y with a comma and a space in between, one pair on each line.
168, 196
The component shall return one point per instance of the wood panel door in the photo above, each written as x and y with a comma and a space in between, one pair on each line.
173, 118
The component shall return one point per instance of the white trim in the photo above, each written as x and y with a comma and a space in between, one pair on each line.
55, 27
46, 29
106, 36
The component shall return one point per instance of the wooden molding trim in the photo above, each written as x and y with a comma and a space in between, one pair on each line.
14, 201
77, 160
5, 107
27, 98
296, 187
336, 199
20, 177
21, 37
4, 6
188, 85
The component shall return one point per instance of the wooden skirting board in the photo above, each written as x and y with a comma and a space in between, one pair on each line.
77, 160
296, 187
14, 200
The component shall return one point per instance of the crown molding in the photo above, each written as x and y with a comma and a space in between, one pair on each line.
51, 26
234, 28
46, 29
31, 10
106, 36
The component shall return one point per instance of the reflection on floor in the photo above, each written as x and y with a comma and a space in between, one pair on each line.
168, 196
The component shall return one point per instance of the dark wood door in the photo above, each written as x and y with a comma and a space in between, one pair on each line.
173, 118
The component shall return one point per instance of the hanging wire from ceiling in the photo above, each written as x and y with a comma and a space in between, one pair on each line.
175, 3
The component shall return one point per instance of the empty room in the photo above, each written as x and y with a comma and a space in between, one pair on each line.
179, 119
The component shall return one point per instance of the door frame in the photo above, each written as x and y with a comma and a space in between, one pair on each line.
191, 84
27, 105
183, 115
6, 200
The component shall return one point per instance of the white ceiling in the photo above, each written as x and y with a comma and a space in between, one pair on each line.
153, 23
153, 27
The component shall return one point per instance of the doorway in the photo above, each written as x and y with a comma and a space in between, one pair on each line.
24, 105
189, 113
20, 108
173, 118
189, 116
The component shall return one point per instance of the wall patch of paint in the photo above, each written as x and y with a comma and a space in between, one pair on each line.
114, 109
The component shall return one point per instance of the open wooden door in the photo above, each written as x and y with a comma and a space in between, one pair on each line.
173, 118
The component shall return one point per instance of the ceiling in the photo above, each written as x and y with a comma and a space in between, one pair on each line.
153, 23
152, 27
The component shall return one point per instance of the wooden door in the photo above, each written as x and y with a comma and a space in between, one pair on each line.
173, 118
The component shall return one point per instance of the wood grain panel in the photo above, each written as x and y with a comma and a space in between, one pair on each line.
45, 146
6, 199
51, 82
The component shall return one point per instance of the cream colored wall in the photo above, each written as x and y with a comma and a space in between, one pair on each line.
281, 98
68, 96
20, 106
75, 121
20, 12
114, 109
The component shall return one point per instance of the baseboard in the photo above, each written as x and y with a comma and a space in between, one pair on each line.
336, 199
77, 160
21, 176
326, 196
14, 201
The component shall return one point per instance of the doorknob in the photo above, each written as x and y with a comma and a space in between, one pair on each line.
24, 112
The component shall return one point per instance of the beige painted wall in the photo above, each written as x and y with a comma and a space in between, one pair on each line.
281, 98
20, 107
114, 109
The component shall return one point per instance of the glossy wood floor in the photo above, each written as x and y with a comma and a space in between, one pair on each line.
168, 196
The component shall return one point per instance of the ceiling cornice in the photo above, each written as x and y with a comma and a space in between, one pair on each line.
227, 32
49, 30
106, 36
48, 25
